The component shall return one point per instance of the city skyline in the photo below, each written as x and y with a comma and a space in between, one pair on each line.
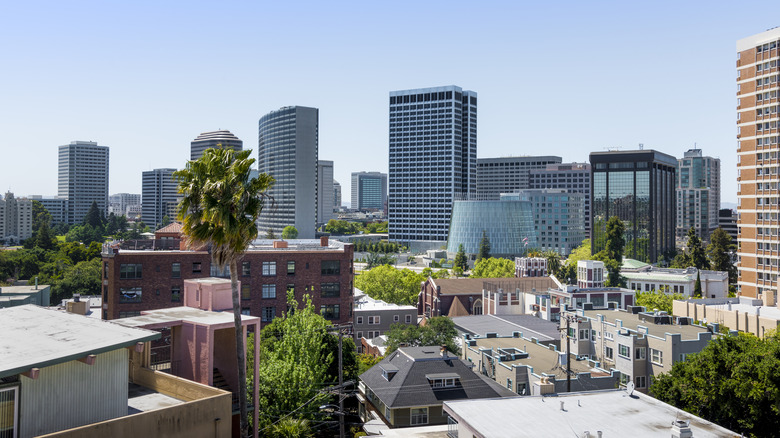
140, 95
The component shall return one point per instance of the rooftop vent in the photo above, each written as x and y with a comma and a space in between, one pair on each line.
681, 429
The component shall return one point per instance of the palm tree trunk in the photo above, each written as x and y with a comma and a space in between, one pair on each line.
240, 353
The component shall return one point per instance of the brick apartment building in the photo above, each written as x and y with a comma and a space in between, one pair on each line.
147, 275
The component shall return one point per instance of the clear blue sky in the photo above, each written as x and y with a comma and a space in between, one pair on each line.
563, 78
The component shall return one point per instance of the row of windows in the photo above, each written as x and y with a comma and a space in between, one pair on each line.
134, 270
376, 319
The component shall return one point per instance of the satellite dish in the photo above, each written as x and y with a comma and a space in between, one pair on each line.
630, 388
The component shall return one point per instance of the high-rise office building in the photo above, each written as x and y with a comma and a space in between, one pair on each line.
288, 150
336, 195
433, 159
324, 191
369, 191
159, 196
571, 177
83, 178
119, 203
758, 207
507, 174
559, 218
698, 194
639, 188
211, 140
15, 219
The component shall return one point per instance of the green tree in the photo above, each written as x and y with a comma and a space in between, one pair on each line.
493, 268
657, 300
614, 279
554, 265
439, 330
484, 247
569, 269
374, 259
220, 206
460, 259
289, 427
616, 240
40, 215
696, 254
83, 278
94, 217
719, 254
734, 382
269, 234
391, 285
289, 232
44, 238
366, 361
165, 221
697, 286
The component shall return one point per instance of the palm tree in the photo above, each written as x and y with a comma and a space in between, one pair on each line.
220, 206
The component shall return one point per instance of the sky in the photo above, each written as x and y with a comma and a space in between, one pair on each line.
559, 78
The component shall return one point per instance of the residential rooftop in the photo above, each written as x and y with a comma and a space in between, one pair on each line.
365, 303
172, 246
469, 286
633, 322
528, 326
163, 317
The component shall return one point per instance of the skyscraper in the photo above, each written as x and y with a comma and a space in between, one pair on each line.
83, 178
324, 191
639, 188
698, 194
758, 57
336, 195
507, 174
433, 159
369, 191
159, 195
288, 150
572, 177
212, 139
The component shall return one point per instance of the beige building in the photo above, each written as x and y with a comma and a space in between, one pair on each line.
15, 219
758, 109
741, 314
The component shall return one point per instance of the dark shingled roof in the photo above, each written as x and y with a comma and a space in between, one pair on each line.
410, 386
505, 325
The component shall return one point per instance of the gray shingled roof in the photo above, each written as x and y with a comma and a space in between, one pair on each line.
505, 325
410, 387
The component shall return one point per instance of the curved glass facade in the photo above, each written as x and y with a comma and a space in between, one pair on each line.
506, 224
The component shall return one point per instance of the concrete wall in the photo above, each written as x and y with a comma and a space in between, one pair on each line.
732, 319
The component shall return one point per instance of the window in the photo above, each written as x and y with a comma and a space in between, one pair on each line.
624, 379
196, 268
330, 290
639, 353
291, 267
269, 291
269, 313
656, 356
245, 271
608, 353
584, 334
521, 388
130, 295
408, 319
245, 292
509, 384
175, 294
419, 416
359, 320
129, 314
269, 269
246, 311
372, 320
9, 401
330, 311
105, 269
331, 267
129, 271
608, 335
175, 270
640, 381
359, 335
624, 351
396, 318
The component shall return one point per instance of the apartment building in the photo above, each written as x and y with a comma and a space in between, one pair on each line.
698, 194
16, 219
758, 163
744, 314
160, 195
530, 267
373, 318
82, 178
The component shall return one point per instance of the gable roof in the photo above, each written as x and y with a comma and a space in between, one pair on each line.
457, 309
173, 227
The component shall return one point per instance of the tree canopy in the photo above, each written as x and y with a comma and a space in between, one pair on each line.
493, 268
484, 247
391, 285
289, 232
719, 253
439, 330
657, 300
460, 259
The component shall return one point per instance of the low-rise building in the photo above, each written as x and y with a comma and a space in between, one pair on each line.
373, 317
644, 277
11, 296
742, 314
639, 344
530, 267
408, 386
528, 326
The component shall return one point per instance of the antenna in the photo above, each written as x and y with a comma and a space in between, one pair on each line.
641, 146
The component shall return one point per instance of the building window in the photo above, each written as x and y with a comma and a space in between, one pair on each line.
656, 356
624, 351
330, 311
175, 294
373, 320
521, 388
330, 290
269, 291
419, 416
245, 271
408, 319
245, 292
608, 353
9, 400
291, 267
509, 384
331, 267
359, 320
584, 334
196, 268
624, 379
269, 313
640, 381
269, 269
359, 335
291, 289
639, 353
130, 314
175, 270
130, 271
246, 311
396, 318
105, 269
130, 295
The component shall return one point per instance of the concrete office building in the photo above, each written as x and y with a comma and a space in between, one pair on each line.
211, 139
758, 136
727, 219
433, 160
158, 197
507, 174
698, 194
122, 203
572, 177
83, 178
369, 191
336, 195
325, 185
57, 207
15, 219
287, 151
639, 188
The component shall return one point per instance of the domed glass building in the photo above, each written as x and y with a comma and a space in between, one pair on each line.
508, 224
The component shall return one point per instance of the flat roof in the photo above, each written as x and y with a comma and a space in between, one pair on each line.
163, 317
364, 303
24, 289
766, 311
612, 412
37, 337
631, 321
760, 38
505, 325
470, 286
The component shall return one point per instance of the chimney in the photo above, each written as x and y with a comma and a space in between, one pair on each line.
681, 429
280, 244
324, 241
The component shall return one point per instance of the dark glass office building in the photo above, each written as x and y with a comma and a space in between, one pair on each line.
639, 188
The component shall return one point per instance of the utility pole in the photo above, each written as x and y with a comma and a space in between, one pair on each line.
341, 387
568, 359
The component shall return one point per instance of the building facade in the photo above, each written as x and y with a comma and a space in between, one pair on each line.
336, 195
123, 203
16, 219
758, 199
159, 193
325, 184
373, 318
727, 219
698, 194
507, 223
639, 188
369, 191
559, 218
288, 151
507, 174
83, 178
433, 159
572, 177
211, 139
